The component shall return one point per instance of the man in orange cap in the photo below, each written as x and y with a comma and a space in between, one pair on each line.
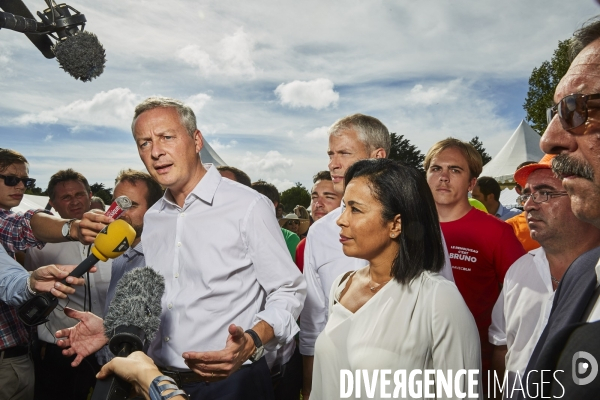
524, 305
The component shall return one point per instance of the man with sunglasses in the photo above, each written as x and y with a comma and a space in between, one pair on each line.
569, 344
523, 307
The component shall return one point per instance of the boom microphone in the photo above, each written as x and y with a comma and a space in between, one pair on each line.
78, 52
131, 323
111, 242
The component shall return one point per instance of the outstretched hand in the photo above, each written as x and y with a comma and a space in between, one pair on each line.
218, 365
83, 339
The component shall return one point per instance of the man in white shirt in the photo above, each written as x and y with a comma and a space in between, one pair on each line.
70, 195
231, 286
352, 138
522, 310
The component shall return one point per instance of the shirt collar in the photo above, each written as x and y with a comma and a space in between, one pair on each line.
501, 210
134, 251
205, 189
598, 273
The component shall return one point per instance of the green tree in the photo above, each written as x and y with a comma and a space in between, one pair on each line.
104, 193
36, 191
542, 84
479, 147
401, 150
294, 196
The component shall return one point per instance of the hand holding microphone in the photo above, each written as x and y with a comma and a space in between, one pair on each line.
111, 242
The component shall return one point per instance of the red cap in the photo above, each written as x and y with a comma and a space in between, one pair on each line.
522, 174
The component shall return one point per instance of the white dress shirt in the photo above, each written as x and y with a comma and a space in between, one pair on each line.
522, 310
225, 262
324, 261
71, 253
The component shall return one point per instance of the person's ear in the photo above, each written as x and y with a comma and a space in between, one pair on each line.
396, 227
378, 153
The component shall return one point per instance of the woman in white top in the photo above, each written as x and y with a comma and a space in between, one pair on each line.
397, 313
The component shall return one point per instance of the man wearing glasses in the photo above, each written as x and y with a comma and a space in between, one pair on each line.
522, 310
569, 344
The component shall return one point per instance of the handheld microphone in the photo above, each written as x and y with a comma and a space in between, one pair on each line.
78, 52
111, 242
117, 207
131, 323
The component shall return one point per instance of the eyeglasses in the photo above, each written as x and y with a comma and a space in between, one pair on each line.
294, 222
14, 181
572, 110
539, 197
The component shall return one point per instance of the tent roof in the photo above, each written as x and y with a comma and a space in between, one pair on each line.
523, 145
209, 156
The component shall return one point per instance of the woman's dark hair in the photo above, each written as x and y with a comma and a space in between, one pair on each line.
403, 190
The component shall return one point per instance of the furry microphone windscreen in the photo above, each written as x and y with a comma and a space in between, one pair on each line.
81, 56
136, 302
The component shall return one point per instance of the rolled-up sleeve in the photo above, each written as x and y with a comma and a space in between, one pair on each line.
275, 272
16, 233
13, 280
314, 315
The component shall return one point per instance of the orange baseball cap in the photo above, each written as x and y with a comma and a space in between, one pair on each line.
522, 174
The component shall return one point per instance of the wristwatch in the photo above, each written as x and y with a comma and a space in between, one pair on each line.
260, 349
66, 230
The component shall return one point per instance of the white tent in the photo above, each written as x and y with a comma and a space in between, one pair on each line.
209, 156
31, 202
523, 145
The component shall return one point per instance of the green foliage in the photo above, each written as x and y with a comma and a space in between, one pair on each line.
104, 193
297, 195
479, 147
401, 150
542, 84
36, 191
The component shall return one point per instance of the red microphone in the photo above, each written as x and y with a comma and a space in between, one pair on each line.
117, 207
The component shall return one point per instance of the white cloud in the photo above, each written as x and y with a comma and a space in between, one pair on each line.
48, 138
197, 102
282, 184
217, 145
272, 163
233, 57
111, 108
444, 92
317, 94
318, 133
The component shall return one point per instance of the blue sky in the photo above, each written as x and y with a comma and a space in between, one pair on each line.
267, 78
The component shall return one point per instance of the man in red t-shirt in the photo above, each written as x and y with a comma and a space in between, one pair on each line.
481, 247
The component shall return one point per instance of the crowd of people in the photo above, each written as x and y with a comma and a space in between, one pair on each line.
388, 270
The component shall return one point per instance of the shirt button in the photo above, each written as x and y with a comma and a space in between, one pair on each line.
170, 306
167, 339
178, 244
182, 214
176, 275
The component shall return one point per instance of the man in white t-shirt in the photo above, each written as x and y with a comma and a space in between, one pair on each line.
352, 138
524, 305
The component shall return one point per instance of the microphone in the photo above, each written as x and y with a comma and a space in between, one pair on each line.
111, 242
78, 52
131, 323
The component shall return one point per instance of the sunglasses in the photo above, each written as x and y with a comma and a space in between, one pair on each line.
572, 110
14, 181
